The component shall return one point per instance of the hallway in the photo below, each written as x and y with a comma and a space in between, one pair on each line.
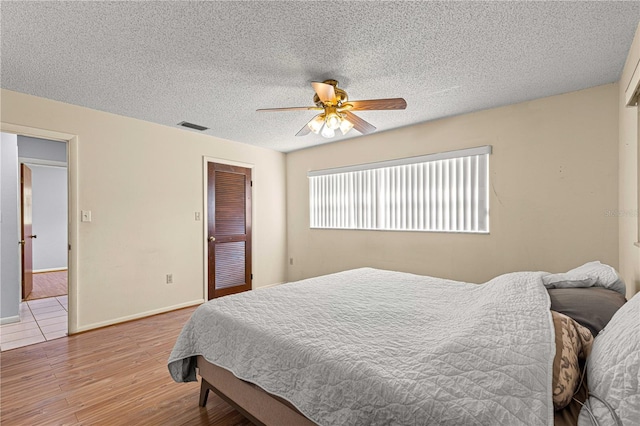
40, 320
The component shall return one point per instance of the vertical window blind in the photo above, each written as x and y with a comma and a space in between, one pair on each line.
444, 192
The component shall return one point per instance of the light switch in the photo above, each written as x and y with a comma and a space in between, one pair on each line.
86, 216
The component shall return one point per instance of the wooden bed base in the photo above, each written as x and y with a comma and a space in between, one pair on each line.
262, 408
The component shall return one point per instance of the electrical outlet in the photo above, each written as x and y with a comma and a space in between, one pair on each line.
197, 215
169, 278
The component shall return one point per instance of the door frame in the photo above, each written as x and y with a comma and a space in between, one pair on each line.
72, 209
26, 242
205, 215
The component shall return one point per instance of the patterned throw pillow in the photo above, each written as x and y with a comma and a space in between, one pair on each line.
573, 343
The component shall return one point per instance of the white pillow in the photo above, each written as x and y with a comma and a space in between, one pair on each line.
613, 370
605, 276
568, 280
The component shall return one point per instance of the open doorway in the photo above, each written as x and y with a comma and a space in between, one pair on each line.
44, 218
42, 223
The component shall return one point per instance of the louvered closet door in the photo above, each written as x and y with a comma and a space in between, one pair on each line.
229, 225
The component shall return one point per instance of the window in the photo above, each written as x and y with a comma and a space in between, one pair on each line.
445, 192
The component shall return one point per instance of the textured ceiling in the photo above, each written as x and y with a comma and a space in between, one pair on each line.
215, 63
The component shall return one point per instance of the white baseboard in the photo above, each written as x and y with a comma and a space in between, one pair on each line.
137, 316
9, 320
39, 271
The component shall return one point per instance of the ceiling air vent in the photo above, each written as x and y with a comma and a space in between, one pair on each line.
192, 126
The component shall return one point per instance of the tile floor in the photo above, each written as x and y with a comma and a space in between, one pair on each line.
40, 320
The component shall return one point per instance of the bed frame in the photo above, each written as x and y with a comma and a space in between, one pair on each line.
264, 409
257, 405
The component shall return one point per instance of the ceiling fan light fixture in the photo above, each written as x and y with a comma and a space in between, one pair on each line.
345, 126
316, 124
337, 110
328, 132
333, 121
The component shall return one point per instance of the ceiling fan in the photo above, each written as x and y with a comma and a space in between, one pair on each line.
337, 110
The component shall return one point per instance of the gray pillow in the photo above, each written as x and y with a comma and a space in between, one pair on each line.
591, 307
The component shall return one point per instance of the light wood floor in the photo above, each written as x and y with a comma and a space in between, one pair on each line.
48, 284
112, 376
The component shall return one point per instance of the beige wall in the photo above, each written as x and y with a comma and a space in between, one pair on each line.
553, 179
628, 176
143, 183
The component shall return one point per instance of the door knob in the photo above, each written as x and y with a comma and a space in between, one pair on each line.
21, 242
212, 239
33, 236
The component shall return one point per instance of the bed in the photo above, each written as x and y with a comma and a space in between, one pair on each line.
380, 347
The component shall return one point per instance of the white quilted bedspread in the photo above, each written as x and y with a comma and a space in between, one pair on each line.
373, 347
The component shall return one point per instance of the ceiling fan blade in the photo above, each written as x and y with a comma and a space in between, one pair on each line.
312, 108
377, 104
358, 123
326, 92
305, 130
